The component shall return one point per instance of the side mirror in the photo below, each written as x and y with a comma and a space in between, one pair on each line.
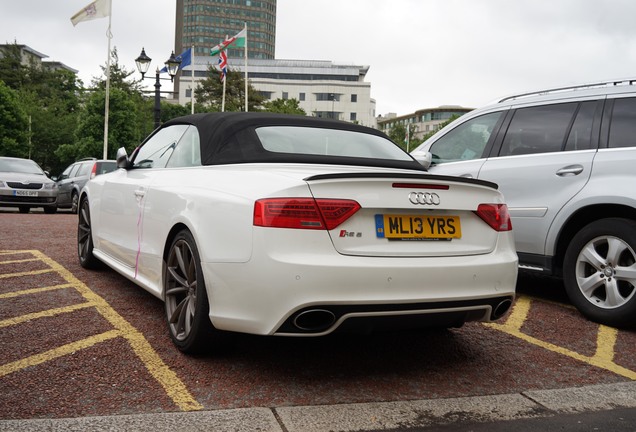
122, 158
425, 159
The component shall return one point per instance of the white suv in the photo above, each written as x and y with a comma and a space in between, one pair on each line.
565, 160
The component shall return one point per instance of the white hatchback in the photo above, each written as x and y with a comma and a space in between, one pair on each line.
296, 226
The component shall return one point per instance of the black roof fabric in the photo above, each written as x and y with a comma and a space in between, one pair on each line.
228, 138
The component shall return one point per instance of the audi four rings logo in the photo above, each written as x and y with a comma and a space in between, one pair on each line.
424, 198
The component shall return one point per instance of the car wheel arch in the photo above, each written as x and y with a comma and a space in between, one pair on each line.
578, 220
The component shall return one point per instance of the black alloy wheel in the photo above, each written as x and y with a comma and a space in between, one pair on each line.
186, 299
85, 238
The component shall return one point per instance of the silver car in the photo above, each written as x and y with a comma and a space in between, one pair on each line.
564, 159
23, 184
75, 176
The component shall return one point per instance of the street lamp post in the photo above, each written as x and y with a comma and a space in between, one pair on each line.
172, 66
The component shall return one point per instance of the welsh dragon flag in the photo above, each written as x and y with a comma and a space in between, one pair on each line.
237, 41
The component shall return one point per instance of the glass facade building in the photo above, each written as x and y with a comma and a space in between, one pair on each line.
205, 23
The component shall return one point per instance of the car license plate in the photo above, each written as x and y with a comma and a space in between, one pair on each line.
411, 227
25, 193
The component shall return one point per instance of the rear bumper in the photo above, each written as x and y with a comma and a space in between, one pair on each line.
267, 294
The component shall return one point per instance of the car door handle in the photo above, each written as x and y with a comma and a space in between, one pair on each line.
467, 175
140, 193
571, 170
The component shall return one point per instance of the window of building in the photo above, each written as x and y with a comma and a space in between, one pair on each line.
285, 95
354, 98
301, 96
328, 97
188, 93
353, 116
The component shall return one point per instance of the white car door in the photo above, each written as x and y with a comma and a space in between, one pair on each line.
124, 196
544, 160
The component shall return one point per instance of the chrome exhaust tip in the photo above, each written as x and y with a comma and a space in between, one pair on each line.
314, 320
501, 309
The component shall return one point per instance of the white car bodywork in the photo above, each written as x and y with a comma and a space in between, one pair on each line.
260, 279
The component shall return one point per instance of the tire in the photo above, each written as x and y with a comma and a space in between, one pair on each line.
186, 299
74, 202
50, 210
85, 238
599, 271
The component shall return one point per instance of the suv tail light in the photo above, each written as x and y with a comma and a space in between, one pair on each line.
94, 171
495, 215
303, 213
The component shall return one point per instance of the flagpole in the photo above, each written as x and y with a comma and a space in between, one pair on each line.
246, 85
223, 100
109, 35
192, 70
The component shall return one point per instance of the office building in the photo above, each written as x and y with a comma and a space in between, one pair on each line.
205, 23
323, 88
421, 122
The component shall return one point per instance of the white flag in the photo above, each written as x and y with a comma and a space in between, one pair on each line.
96, 9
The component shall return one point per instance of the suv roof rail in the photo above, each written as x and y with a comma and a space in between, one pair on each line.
86, 159
616, 82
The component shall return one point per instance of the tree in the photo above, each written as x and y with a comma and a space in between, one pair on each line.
50, 98
12, 71
209, 93
89, 135
120, 77
171, 110
284, 106
13, 124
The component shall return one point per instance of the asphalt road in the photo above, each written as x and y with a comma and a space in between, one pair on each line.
88, 347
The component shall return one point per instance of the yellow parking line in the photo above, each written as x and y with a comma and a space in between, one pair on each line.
167, 378
28, 273
57, 352
606, 340
19, 261
34, 291
44, 314
605, 343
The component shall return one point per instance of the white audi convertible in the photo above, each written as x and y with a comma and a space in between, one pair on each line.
296, 226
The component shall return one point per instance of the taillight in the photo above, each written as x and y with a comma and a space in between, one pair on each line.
94, 171
495, 215
303, 213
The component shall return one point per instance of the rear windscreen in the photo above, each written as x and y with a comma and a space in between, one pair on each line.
328, 142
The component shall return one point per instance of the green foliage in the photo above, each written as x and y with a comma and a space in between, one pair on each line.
122, 130
209, 93
284, 106
12, 71
171, 110
13, 124
398, 136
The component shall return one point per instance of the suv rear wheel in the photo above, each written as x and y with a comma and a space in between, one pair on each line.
600, 271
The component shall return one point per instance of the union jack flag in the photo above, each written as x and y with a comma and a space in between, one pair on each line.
223, 65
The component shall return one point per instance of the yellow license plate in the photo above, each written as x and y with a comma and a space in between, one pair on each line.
411, 227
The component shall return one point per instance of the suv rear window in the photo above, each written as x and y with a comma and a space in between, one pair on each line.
623, 127
538, 129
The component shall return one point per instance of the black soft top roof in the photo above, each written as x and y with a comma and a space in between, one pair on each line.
227, 138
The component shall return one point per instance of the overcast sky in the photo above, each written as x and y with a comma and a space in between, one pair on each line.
421, 53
